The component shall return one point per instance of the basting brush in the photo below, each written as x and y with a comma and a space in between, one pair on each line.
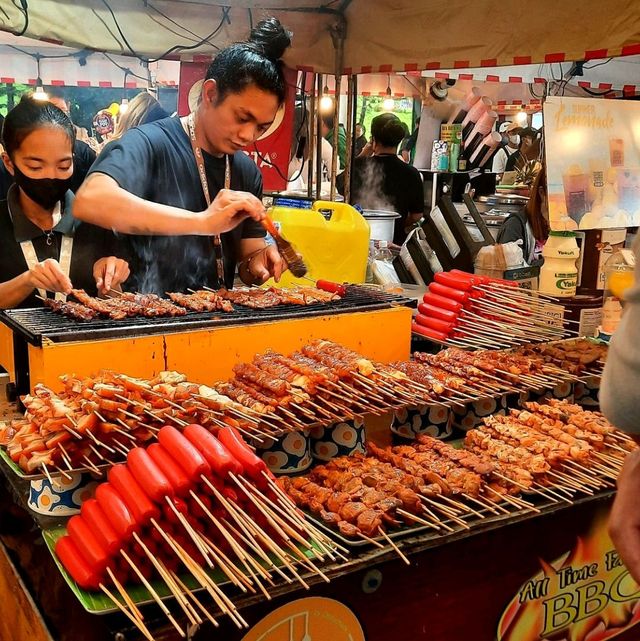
292, 258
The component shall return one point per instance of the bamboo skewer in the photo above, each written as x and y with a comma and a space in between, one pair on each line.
168, 580
137, 622
153, 593
393, 545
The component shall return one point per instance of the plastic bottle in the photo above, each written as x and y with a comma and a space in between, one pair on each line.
559, 274
384, 272
618, 278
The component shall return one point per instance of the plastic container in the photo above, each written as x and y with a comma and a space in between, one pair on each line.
586, 310
333, 239
381, 222
618, 278
559, 274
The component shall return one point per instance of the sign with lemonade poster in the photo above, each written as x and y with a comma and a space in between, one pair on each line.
593, 162
584, 595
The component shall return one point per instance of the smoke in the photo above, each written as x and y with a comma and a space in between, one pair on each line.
171, 263
371, 193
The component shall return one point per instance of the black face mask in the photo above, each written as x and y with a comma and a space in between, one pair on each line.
44, 191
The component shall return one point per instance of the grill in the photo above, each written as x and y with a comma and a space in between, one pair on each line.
35, 325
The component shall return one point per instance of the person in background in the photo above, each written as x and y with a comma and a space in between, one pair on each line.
509, 129
183, 188
143, 108
42, 246
298, 172
619, 401
326, 130
83, 155
386, 178
523, 154
531, 226
408, 148
361, 140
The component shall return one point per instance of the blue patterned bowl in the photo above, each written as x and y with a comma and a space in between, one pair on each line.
563, 391
434, 420
62, 496
586, 392
339, 439
470, 415
287, 455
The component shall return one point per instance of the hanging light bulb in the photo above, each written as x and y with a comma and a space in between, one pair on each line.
326, 102
124, 106
39, 93
521, 117
388, 103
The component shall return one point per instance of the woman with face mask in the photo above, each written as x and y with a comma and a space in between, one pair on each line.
43, 248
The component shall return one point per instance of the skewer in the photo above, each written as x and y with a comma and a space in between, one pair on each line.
417, 519
462, 506
137, 622
95, 439
566, 480
486, 504
167, 579
368, 539
186, 591
153, 593
91, 465
218, 596
46, 473
64, 473
393, 545
127, 599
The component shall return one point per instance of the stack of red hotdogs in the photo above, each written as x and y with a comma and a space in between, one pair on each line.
191, 500
478, 311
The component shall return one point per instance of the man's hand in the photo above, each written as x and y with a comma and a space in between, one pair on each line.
48, 275
229, 208
264, 264
624, 519
110, 272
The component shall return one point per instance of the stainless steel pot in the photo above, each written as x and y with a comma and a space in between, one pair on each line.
381, 223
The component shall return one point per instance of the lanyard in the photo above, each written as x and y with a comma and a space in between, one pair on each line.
30, 256
197, 153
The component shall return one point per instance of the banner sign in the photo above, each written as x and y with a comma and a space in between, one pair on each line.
585, 595
593, 162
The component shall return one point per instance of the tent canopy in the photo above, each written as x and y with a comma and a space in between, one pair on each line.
380, 36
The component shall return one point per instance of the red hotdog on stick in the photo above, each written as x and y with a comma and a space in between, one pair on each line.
216, 454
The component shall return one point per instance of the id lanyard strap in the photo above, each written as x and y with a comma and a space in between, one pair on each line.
31, 258
197, 152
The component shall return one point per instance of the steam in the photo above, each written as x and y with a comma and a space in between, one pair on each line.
371, 193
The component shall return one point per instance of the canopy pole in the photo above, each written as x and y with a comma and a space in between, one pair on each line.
318, 166
336, 134
351, 110
338, 33
311, 139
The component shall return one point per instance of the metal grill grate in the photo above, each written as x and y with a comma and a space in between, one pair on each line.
36, 324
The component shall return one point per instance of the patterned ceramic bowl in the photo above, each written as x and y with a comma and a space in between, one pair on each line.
563, 391
62, 496
586, 392
287, 455
339, 439
434, 420
470, 415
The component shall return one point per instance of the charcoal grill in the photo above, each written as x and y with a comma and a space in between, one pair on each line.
29, 338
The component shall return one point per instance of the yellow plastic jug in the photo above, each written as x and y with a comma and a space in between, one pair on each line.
333, 239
